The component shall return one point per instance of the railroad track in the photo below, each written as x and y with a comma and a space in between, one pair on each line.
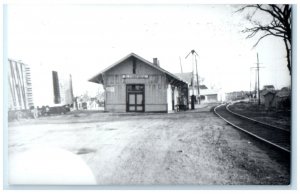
269, 134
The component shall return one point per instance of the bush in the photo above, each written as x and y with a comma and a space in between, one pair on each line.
285, 104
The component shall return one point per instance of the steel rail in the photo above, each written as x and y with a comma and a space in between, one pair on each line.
245, 117
248, 132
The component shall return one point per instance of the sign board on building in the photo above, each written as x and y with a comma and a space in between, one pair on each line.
135, 76
110, 89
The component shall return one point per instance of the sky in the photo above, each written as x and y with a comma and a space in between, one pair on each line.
84, 39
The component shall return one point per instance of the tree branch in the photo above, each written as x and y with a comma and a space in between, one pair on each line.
280, 26
260, 39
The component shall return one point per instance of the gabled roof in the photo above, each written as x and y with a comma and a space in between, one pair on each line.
269, 87
185, 76
98, 77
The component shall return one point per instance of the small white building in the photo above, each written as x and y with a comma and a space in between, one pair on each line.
209, 95
206, 95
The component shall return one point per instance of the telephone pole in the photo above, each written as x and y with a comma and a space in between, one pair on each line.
198, 86
257, 78
250, 86
194, 54
180, 64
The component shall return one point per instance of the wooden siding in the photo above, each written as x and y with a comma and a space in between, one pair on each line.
116, 94
115, 107
156, 108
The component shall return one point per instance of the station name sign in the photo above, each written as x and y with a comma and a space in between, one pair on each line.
110, 89
135, 76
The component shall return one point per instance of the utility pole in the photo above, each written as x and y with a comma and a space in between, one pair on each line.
258, 79
195, 63
193, 83
180, 64
193, 96
250, 86
198, 86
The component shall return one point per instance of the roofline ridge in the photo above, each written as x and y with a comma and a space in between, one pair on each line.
140, 58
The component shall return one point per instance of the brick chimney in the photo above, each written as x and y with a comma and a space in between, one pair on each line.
156, 62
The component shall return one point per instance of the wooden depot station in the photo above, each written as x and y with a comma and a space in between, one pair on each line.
134, 84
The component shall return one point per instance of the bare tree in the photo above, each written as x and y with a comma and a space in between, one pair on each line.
278, 26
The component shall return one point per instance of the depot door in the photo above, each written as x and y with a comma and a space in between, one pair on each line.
135, 97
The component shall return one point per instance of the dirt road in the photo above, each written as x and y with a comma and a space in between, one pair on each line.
193, 147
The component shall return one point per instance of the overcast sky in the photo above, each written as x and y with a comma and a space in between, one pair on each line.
85, 39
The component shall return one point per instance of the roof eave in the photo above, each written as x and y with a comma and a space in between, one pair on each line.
98, 79
109, 67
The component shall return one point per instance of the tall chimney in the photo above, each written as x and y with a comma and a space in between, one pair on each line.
156, 62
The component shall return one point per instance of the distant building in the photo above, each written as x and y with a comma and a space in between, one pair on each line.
134, 84
238, 95
275, 99
20, 86
268, 98
209, 95
32, 86
283, 98
206, 95
269, 88
87, 103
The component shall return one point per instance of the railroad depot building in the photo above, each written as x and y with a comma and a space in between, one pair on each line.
134, 84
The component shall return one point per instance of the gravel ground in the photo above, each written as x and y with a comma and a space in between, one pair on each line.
192, 147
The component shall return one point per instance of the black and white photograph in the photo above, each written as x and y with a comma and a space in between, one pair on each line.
143, 95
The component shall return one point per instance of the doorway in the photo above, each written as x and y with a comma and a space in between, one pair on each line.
135, 98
